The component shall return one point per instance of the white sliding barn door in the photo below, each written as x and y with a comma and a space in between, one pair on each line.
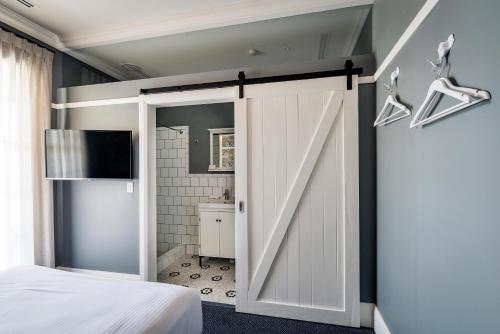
297, 178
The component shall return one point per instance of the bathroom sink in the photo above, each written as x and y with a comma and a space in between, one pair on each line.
217, 204
220, 201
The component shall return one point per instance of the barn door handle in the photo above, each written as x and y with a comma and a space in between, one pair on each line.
242, 206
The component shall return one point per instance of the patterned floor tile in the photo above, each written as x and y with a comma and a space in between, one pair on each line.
214, 280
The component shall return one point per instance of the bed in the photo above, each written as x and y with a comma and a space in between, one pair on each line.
35, 299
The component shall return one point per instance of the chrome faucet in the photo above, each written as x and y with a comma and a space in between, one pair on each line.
226, 194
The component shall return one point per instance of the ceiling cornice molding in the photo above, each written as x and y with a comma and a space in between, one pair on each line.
357, 27
29, 27
48, 37
244, 11
99, 64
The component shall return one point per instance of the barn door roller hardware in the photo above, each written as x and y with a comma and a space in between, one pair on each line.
241, 83
347, 71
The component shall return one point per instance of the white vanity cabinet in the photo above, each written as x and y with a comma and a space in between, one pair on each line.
216, 230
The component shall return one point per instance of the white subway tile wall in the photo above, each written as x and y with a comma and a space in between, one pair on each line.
178, 192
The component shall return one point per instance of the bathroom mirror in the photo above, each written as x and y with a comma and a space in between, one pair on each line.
221, 150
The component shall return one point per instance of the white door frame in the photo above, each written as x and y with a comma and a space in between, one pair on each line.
147, 163
147, 195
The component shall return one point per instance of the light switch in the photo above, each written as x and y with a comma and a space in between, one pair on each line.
130, 187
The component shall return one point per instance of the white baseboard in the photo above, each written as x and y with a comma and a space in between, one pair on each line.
379, 325
107, 274
366, 314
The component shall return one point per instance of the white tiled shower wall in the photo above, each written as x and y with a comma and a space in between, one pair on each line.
178, 192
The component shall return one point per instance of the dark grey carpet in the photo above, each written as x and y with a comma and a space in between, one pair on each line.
220, 318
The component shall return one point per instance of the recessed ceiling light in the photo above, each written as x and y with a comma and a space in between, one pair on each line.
253, 52
135, 70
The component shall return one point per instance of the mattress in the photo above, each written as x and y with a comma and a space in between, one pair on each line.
35, 299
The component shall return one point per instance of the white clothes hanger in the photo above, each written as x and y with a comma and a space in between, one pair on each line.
443, 86
393, 110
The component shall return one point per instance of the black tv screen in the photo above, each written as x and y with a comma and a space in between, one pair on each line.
88, 154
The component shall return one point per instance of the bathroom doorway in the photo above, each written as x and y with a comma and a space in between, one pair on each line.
195, 188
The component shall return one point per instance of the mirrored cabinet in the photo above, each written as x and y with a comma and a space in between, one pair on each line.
221, 150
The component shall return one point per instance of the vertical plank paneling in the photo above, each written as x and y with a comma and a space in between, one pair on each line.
316, 199
303, 207
317, 224
351, 192
292, 162
280, 160
304, 213
306, 113
255, 183
269, 195
242, 178
340, 194
331, 219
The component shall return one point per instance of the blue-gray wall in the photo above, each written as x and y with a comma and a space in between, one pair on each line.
438, 188
116, 248
199, 118
367, 193
97, 221
390, 19
364, 45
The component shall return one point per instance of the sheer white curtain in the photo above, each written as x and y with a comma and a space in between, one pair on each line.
26, 215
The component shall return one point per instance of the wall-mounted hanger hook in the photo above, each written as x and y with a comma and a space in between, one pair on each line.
443, 52
394, 76
445, 47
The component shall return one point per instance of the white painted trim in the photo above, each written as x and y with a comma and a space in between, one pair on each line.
359, 22
415, 23
95, 103
379, 325
48, 37
29, 27
295, 193
351, 200
171, 99
99, 64
98, 273
241, 193
221, 130
143, 190
203, 96
212, 133
366, 80
366, 314
147, 164
230, 13
147, 191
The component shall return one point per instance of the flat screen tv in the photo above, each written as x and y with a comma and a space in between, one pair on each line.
88, 154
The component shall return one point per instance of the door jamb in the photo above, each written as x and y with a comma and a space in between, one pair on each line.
147, 164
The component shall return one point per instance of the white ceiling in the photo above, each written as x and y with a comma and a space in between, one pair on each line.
167, 37
291, 39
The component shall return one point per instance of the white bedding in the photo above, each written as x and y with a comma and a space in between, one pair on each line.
35, 299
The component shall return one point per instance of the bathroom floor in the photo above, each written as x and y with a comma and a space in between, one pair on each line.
214, 280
